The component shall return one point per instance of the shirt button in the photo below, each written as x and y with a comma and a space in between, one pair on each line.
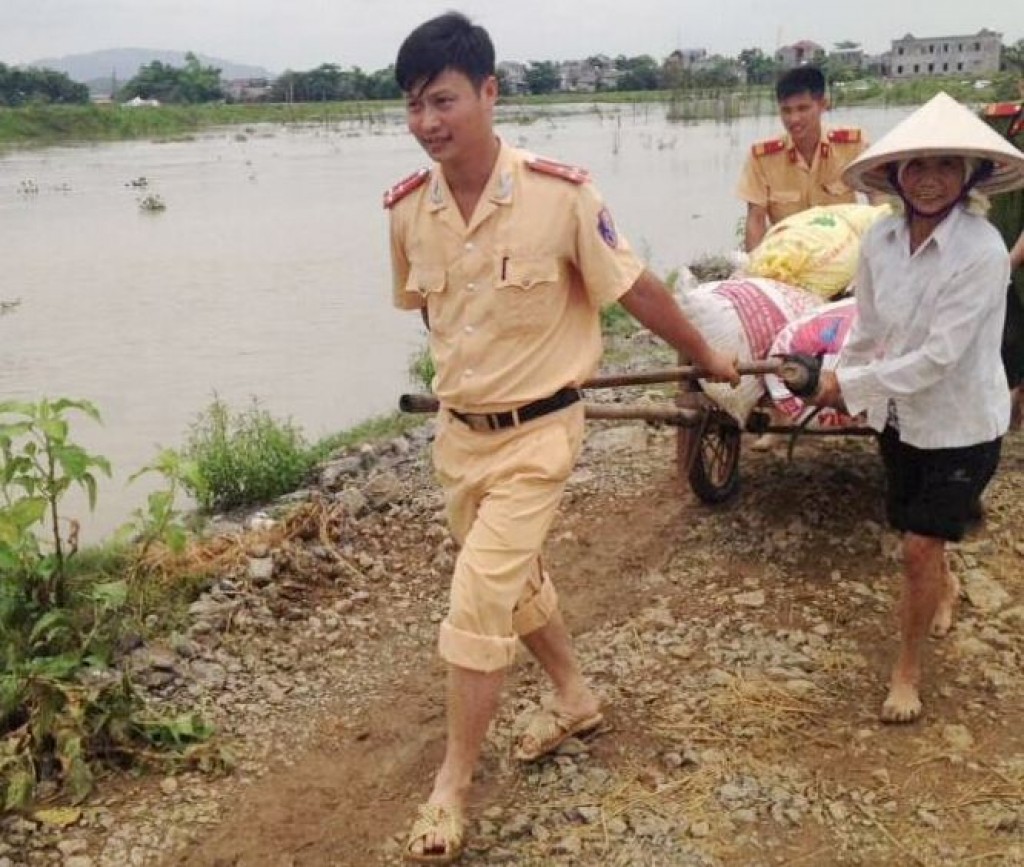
468, 329
468, 373
469, 245
471, 287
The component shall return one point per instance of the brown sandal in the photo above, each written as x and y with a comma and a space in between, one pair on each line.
548, 729
433, 820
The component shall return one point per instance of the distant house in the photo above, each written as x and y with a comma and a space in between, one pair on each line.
513, 75
800, 54
979, 54
689, 58
851, 58
586, 76
139, 102
247, 89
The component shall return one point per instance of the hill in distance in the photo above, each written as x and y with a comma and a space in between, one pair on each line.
96, 68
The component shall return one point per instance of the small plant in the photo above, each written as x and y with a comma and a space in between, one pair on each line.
243, 458
422, 369
616, 322
62, 709
160, 521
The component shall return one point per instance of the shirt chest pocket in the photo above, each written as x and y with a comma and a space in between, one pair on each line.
528, 293
430, 284
782, 203
837, 190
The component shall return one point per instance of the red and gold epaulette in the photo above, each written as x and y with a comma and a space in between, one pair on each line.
844, 135
405, 186
1002, 109
573, 174
768, 147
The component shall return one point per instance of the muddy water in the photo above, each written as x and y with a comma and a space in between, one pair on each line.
267, 273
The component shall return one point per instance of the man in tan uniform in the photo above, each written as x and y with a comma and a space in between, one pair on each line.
509, 257
783, 176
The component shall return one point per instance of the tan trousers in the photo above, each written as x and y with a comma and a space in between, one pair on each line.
502, 489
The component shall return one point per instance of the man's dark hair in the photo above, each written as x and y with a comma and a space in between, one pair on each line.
800, 80
450, 41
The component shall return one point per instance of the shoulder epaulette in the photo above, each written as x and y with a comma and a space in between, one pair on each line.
1003, 109
573, 174
768, 147
405, 186
844, 135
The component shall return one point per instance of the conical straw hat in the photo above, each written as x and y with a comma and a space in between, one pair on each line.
940, 127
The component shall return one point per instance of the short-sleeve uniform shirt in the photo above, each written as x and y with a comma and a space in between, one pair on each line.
513, 296
775, 174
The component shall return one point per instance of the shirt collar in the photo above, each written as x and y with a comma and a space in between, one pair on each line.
500, 185
940, 236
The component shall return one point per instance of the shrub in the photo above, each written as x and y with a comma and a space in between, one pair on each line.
244, 458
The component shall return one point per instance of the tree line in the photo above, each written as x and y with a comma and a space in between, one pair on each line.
329, 82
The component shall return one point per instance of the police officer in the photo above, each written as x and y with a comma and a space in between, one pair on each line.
509, 257
785, 175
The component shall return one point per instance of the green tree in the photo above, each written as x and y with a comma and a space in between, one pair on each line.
193, 83
638, 73
760, 68
39, 86
542, 77
1013, 57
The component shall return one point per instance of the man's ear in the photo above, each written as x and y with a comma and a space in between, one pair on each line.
826, 103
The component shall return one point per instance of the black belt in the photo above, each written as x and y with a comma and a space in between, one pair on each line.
484, 421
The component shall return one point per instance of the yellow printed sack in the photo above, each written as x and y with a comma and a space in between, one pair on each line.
816, 249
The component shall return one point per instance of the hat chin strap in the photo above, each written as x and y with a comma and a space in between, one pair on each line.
977, 176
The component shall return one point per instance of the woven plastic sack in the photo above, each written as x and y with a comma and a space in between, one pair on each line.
821, 332
815, 249
742, 318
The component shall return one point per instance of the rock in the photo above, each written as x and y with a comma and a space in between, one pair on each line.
260, 570
79, 861
72, 847
958, 737
754, 599
210, 674
354, 502
984, 592
699, 830
623, 438
382, 489
169, 785
334, 473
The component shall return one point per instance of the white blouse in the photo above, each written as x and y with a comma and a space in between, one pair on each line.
928, 333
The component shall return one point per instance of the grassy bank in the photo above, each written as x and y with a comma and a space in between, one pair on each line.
56, 124
43, 125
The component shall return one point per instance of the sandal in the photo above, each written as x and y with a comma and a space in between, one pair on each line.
433, 820
549, 728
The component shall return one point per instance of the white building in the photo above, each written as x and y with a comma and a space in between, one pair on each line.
979, 54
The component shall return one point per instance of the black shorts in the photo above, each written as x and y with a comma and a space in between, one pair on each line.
934, 492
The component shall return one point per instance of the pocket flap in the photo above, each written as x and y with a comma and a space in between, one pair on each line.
526, 273
424, 281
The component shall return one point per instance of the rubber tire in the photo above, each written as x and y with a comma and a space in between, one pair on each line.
715, 473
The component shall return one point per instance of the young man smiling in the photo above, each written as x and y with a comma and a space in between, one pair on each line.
785, 175
509, 257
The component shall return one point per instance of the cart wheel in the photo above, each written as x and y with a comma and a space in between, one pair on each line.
715, 471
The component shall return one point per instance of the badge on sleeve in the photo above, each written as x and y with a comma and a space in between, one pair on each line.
606, 228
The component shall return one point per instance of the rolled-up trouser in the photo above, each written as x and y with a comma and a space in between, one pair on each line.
502, 489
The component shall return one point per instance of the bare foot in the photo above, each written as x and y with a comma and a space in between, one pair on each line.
945, 613
903, 704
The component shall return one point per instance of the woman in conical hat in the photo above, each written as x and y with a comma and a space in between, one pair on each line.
923, 362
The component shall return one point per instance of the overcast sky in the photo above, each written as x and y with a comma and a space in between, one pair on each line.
301, 34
